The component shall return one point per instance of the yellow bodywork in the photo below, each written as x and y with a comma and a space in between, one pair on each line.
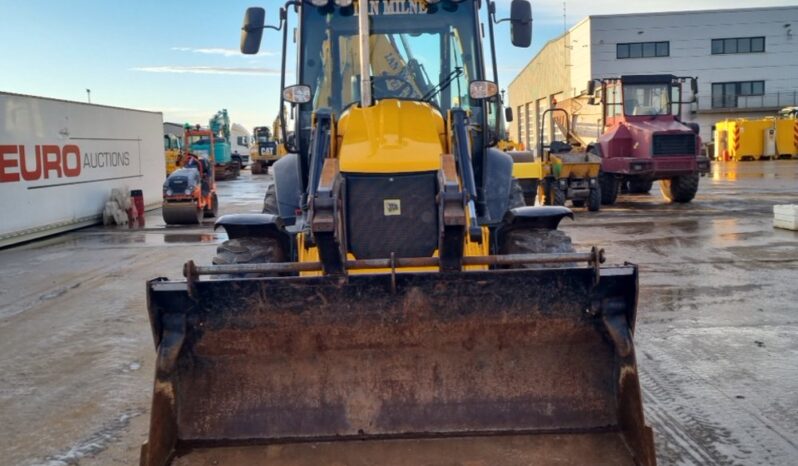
528, 170
393, 136
573, 165
472, 249
171, 156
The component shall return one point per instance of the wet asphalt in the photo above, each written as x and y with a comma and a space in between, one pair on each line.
716, 329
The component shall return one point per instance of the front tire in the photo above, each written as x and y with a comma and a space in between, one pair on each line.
681, 189
249, 250
608, 185
536, 241
594, 200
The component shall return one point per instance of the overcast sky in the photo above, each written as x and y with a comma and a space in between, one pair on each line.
181, 58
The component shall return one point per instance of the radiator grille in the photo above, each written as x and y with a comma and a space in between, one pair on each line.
392, 213
674, 144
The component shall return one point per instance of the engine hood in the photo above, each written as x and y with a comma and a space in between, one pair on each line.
393, 136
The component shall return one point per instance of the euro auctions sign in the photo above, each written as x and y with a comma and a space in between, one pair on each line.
45, 165
59, 161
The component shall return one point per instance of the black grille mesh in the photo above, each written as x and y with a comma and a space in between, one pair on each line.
674, 144
372, 234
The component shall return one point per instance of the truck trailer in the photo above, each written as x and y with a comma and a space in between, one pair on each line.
59, 161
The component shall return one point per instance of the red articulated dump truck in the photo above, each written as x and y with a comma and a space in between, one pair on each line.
644, 138
396, 303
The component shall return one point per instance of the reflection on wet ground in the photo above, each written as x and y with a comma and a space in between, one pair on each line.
715, 341
717, 314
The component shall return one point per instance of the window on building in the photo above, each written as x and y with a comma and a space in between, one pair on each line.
643, 50
738, 45
724, 95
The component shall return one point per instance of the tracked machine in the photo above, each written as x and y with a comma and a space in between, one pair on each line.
397, 303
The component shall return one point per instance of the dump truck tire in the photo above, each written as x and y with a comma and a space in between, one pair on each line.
681, 189
640, 186
594, 200
270, 201
553, 195
609, 189
249, 250
214, 208
257, 168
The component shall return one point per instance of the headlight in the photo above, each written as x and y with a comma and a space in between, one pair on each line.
188, 190
168, 192
319, 2
343, 3
563, 184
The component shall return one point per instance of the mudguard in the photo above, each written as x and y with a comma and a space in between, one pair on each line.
288, 187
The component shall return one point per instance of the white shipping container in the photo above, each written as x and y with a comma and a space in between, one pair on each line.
59, 161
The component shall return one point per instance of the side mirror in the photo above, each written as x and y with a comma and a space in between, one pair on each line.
252, 30
508, 114
591, 87
521, 23
298, 94
482, 89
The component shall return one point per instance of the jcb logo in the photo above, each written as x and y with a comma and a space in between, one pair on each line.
50, 161
392, 207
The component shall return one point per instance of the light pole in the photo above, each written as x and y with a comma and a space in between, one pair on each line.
88, 93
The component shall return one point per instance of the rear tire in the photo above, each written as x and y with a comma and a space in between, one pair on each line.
249, 250
257, 168
640, 186
608, 185
270, 201
214, 209
594, 200
681, 189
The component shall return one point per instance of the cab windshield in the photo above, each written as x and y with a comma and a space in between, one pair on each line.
646, 99
419, 52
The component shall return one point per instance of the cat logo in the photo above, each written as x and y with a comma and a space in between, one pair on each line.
392, 207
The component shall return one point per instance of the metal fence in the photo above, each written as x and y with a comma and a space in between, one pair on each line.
753, 102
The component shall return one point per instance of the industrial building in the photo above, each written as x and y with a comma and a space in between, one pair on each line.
746, 61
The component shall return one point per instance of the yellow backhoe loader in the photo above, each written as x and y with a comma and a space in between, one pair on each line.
396, 303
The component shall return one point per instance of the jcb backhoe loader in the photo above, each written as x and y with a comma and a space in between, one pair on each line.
397, 303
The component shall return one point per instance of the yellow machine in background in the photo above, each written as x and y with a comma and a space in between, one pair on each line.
559, 173
768, 138
172, 146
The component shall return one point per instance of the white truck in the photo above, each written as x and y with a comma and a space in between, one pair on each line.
239, 144
59, 161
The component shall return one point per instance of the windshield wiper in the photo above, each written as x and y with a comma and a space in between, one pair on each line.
456, 73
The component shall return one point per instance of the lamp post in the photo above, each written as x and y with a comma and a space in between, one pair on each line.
88, 93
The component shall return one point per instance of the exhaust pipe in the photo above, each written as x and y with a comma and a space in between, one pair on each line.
365, 53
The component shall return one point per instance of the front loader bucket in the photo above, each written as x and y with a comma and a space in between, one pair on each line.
502, 367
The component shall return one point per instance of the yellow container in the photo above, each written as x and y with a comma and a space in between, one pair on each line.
787, 137
741, 139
